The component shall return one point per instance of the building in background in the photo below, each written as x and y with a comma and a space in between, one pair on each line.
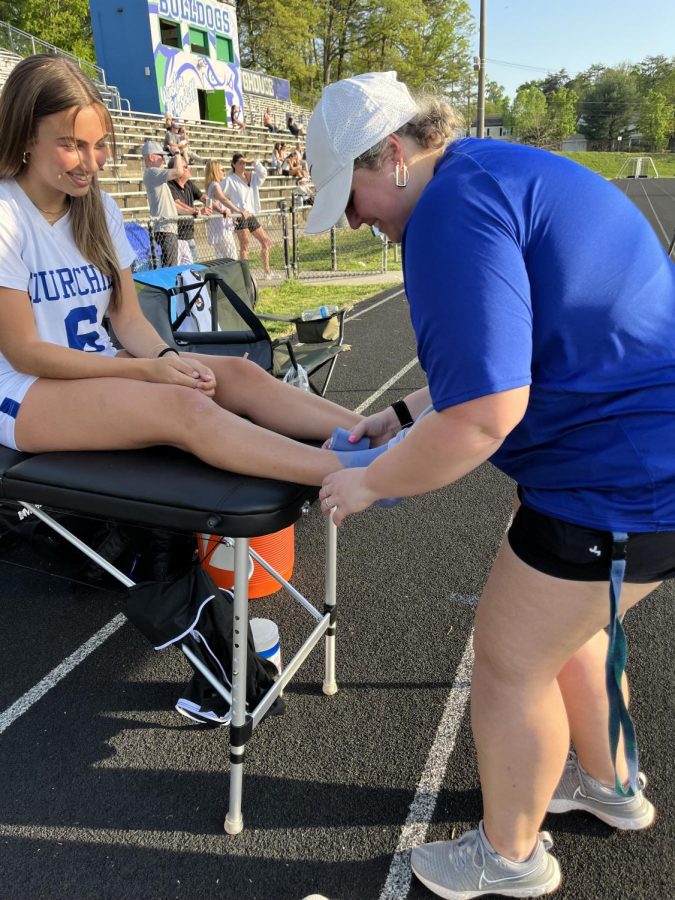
176, 56
494, 128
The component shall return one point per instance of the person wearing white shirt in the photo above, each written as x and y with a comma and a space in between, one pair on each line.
242, 188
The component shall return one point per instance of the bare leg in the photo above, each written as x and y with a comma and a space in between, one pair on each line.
120, 413
243, 238
528, 625
244, 388
582, 682
265, 243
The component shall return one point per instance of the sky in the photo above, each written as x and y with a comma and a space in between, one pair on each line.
538, 36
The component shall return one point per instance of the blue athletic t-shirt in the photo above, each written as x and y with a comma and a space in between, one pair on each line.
523, 268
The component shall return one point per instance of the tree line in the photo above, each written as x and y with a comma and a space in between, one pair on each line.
428, 42
608, 105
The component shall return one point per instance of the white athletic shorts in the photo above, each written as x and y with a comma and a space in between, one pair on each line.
13, 388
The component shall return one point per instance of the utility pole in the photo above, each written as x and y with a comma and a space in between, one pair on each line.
480, 112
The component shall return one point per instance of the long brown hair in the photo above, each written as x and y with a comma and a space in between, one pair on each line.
40, 86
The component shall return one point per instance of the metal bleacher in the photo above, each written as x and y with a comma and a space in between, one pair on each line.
208, 140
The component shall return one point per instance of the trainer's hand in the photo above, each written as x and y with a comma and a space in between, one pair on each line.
344, 493
380, 427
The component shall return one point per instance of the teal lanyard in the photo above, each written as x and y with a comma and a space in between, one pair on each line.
617, 654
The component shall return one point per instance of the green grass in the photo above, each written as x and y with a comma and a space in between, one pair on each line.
291, 297
356, 251
609, 164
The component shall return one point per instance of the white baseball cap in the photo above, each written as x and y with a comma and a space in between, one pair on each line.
351, 117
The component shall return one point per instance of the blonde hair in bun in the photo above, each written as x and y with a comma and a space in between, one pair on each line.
435, 125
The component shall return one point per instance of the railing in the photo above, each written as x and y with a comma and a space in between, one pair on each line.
114, 100
292, 254
24, 44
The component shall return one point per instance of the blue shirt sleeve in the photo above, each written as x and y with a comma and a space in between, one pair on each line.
467, 284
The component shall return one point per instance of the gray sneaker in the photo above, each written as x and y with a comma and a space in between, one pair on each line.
578, 790
470, 867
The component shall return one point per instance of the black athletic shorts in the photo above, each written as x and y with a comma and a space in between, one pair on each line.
577, 553
251, 223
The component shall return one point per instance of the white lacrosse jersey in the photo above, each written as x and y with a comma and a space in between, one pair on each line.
69, 295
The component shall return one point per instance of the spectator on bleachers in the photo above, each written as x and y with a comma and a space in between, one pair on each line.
184, 144
237, 117
184, 192
162, 207
295, 129
176, 141
242, 188
278, 157
268, 122
295, 167
220, 228
170, 143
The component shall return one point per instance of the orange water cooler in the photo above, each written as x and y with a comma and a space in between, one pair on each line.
277, 549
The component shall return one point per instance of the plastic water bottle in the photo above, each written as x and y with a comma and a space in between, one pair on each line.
322, 312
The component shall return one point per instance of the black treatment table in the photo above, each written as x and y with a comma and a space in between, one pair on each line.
166, 488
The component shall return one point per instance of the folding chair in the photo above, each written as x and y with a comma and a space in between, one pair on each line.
318, 344
236, 327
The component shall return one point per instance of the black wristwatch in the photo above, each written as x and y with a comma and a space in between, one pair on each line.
402, 413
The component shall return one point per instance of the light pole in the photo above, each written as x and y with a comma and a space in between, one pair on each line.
480, 111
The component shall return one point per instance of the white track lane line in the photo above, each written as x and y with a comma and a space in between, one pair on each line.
374, 306
397, 885
422, 808
658, 221
24, 703
385, 387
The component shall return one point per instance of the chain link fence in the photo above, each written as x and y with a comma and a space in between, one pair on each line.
280, 242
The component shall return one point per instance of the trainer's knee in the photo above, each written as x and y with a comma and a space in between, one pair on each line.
497, 659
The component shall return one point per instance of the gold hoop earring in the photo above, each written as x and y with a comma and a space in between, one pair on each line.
402, 174
25, 157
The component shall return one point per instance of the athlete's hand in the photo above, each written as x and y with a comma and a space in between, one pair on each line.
344, 493
174, 369
206, 382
